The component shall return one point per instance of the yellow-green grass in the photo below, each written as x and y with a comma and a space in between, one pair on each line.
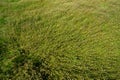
59, 39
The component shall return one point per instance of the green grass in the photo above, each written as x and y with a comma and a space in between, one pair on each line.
59, 40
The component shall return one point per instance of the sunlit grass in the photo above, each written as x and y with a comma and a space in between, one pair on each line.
59, 39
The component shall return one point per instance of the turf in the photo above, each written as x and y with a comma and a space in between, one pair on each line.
59, 40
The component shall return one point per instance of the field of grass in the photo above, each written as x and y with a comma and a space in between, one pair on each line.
59, 39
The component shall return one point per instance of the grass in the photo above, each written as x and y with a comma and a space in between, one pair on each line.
59, 40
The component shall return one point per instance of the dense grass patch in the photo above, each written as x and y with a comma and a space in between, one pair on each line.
59, 39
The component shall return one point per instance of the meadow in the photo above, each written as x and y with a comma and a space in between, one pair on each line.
59, 39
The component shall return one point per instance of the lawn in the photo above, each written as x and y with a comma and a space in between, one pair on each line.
59, 39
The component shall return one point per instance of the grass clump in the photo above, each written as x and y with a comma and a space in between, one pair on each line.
59, 40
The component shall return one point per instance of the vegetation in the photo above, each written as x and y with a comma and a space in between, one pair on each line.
59, 39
